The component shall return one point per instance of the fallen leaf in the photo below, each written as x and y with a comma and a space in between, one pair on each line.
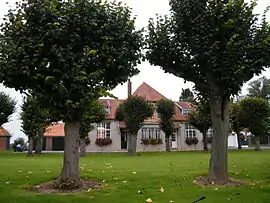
148, 200
19, 171
90, 169
216, 188
90, 189
139, 192
104, 181
134, 172
161, 189
171, 201
124, 181
29, 172
7, 182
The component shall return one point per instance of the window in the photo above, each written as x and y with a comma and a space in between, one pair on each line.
108, 109
150, 133
104, 130
209, 132
185, 111
190, 130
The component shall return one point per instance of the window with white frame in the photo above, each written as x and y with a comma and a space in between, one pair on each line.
108, 109
104, 130
185, 111
150, 133
190, 130
209, 132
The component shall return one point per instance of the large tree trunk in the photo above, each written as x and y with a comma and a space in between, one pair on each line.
30, 146
239, 140
69, 178
257, 143
82, 147
168, 143
132, 144
205, 142
38, 147
218, 167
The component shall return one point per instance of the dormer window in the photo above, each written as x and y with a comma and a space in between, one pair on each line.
185, 111
108, 109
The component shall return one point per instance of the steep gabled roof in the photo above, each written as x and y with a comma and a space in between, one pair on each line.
149, 93
185, 105
113, 104
4, 132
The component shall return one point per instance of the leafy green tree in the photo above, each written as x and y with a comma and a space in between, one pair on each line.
133, 112
19, 140
218, 45
200, 118
187, 95
95, 113
236, 126
35, 120
260, 88
70, 53
166, 109
7, 108
254, 114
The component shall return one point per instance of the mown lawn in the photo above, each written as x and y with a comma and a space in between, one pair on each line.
126, 175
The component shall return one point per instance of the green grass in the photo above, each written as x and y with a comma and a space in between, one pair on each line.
173, 171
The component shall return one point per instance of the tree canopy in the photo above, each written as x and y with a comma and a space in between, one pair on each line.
166, 109
187, 95
95, 113
218, 45
133, 112
35, 119
260, 88
7, 108
68, 52
200, 118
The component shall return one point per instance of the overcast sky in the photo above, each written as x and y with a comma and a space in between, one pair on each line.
168, 85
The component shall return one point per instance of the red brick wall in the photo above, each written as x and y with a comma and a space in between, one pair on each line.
3, 143
48, 143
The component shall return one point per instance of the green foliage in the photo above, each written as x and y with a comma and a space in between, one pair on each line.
200, 118
17, 141
133, 112
254, 114
218, 45
235, 109
69, 52
260, 88
95, 113
166, 109
35, 119
7, 107
187, 95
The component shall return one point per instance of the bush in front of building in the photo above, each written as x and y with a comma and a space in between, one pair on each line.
152, 141
192, 141
103, 141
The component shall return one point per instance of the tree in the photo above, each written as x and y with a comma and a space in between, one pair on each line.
254, 114
260, 88
187, 95
19, 140
200, 118
218, 45
70, 53
95, 113
165, 109
235, 122
133, 112
35, 120
7, 108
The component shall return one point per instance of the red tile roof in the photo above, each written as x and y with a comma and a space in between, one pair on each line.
149, 93
55, 130
185, 105
113, 104
4, 132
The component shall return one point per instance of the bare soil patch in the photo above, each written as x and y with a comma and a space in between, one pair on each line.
48, 187
205, 181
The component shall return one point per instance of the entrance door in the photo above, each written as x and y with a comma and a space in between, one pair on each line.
123, 140
174, 140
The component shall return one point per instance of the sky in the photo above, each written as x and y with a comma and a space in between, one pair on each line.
167, 84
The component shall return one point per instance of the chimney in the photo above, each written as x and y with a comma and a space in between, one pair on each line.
129, 88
